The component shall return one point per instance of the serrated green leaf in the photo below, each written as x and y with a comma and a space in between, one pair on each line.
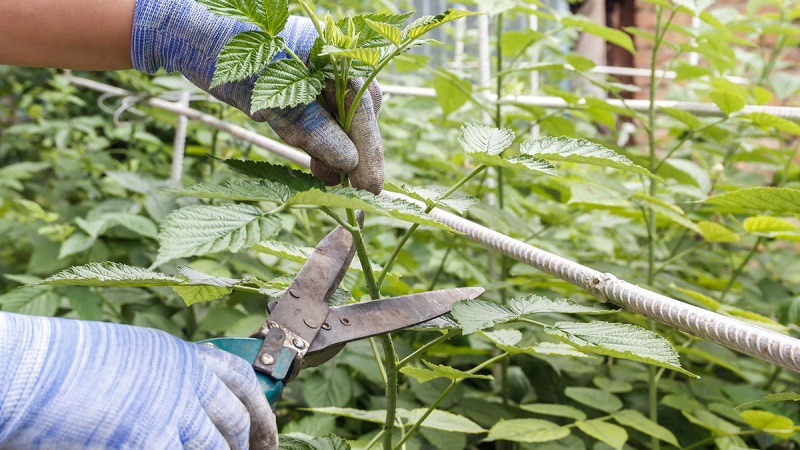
516, 162
770, 423
557, 410
766, 120
594, 398
507, 340
478, 314
771, 199
714, 232
689, 119
619, 340
35, 301
767, 224
367, 202
438, 419
611, 35
639, 422
710, 421
202, 229
432, 195
527, 430
390, 32
369, 37
728, 102
580, 151
483, 139
285, 84
242, 190
138, 224
452, 92
298, 441
701, 298
198, 294
245, 11
771, 398
435, 371
667, 210
284, 251
277, 15
370, 56
442, 420
245, 55
195, 277
295, 180
428, 23
111, 274
375, 416
611, 434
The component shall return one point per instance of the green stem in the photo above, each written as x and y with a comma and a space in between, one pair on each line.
678, 256
374, 440
443, 395
450, 334
377, 354
407, 235
250, 289
738, 271
391, 389
363, 258
533, 322
440, 270
660, 31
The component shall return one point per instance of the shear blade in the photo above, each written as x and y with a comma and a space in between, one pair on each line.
362, 320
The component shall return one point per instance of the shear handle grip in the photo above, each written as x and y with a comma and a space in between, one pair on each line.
247, 349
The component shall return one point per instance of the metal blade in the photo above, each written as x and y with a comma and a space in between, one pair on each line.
362, 320
297, 318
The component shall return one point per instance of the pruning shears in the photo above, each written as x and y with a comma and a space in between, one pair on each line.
303, 330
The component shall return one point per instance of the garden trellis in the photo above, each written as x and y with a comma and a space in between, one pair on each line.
775, 348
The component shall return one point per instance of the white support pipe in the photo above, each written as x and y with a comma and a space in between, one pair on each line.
703, 109
767, 345
179, 144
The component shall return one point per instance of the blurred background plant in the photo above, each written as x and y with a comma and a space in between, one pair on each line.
82, 177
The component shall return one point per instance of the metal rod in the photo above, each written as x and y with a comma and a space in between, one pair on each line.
179, 146
703, 109
775, 348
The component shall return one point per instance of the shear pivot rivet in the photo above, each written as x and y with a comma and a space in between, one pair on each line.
345, 321
309, 325
267, 359
299, 343
326, 326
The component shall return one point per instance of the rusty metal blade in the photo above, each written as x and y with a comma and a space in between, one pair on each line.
362, 320
304, 306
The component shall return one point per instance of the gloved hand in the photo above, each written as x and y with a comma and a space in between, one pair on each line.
74, 384
182, 36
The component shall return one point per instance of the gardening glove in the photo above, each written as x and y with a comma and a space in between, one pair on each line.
182, 36
75, 384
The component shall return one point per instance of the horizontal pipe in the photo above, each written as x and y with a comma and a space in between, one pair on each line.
703, 109
772, 347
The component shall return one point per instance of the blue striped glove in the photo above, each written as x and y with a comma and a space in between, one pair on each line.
182, 36
74, 384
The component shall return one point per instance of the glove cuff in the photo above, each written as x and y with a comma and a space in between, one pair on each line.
180, 36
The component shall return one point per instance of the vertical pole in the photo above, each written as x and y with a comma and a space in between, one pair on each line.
179, 144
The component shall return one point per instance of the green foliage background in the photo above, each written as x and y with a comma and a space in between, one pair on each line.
85, 178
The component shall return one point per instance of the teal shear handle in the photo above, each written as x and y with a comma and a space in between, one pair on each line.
247, 348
